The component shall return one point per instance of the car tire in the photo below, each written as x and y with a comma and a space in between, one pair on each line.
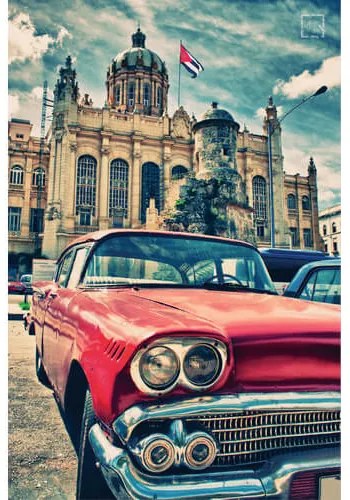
90, 481
31, 329
40, 370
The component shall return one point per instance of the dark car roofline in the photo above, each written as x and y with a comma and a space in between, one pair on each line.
104, 234
283, 252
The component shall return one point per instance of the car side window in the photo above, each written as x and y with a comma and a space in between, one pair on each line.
63, 273
323, 286
77, 267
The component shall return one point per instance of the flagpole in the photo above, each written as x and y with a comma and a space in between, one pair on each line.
179, 84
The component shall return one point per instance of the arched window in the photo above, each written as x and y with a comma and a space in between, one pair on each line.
38, 177
117, 94
159, 97
118, 187
16, 175
259, 198
334, 227
178, 172
305, 203
150, 187
131, 93
324, 229
291, 202
85, 204
146, 94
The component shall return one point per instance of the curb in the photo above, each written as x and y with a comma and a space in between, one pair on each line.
15, 317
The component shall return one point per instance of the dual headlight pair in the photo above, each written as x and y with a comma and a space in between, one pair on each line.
190, 362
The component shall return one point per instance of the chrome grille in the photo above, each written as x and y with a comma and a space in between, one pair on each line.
254, 436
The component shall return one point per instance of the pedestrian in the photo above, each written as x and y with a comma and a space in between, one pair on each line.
26, 319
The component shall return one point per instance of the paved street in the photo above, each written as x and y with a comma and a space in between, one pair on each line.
42, 461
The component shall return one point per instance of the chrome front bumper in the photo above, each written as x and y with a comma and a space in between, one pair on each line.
272, 480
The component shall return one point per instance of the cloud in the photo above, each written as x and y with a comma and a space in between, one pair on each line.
24, 44
13, 105
307, 82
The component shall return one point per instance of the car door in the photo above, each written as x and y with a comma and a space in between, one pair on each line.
54, 306
68, 311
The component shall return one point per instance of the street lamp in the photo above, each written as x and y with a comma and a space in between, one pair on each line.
270, 131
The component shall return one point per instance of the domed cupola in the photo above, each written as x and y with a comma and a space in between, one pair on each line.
137, 80
215, 135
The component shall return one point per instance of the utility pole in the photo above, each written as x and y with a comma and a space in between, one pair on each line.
40, 178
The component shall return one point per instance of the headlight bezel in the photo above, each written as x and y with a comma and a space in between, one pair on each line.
180, 346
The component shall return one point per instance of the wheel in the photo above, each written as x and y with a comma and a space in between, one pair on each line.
40, 370
90, 481
31, 329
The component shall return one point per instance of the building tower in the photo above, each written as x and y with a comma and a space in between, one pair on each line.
312, 176
137, 80
281, 232
220, 191
62, 161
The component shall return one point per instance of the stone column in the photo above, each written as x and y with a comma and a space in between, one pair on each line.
70, 188
28, 189
135, 186
102, 210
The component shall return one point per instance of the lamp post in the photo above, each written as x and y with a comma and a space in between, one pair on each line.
270, 131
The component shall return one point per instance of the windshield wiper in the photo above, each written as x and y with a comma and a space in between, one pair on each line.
235, 287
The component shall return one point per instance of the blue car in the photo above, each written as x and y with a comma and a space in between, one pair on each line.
318, 281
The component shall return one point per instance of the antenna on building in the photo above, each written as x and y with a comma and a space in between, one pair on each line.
40, 178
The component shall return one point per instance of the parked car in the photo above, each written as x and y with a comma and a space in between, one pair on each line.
26, 279
318, 281
283, 263
15, 286
182, 373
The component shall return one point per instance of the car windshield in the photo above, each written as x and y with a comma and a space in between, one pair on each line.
169, 260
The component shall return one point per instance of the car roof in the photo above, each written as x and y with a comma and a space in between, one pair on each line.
305, 269
295, 254
334, 262
100, 235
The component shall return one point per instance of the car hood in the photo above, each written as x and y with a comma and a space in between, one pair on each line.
274, 343
230, 314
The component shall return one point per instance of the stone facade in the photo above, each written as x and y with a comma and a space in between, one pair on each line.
129, 163
27, 195
330, 229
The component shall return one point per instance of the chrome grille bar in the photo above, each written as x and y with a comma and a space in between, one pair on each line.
251, 437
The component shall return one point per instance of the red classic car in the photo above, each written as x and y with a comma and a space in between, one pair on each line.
181, 373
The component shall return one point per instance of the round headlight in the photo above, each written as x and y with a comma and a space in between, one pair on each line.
202, 364
159, 367
159, 454
200, 451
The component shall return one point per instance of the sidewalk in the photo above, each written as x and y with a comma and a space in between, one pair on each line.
14, 310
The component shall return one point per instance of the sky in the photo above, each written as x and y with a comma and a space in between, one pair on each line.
250, 49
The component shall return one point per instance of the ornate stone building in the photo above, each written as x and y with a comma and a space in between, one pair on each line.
130, 164
330, 229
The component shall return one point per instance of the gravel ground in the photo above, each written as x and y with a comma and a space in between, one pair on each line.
42, 461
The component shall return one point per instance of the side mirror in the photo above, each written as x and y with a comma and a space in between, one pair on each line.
39, 292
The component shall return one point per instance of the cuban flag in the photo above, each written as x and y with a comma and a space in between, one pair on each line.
192, 64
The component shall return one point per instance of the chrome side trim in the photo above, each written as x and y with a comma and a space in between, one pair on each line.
207, 405
272, 481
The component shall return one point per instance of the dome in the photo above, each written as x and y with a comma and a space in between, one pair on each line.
139, 56
214, 115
